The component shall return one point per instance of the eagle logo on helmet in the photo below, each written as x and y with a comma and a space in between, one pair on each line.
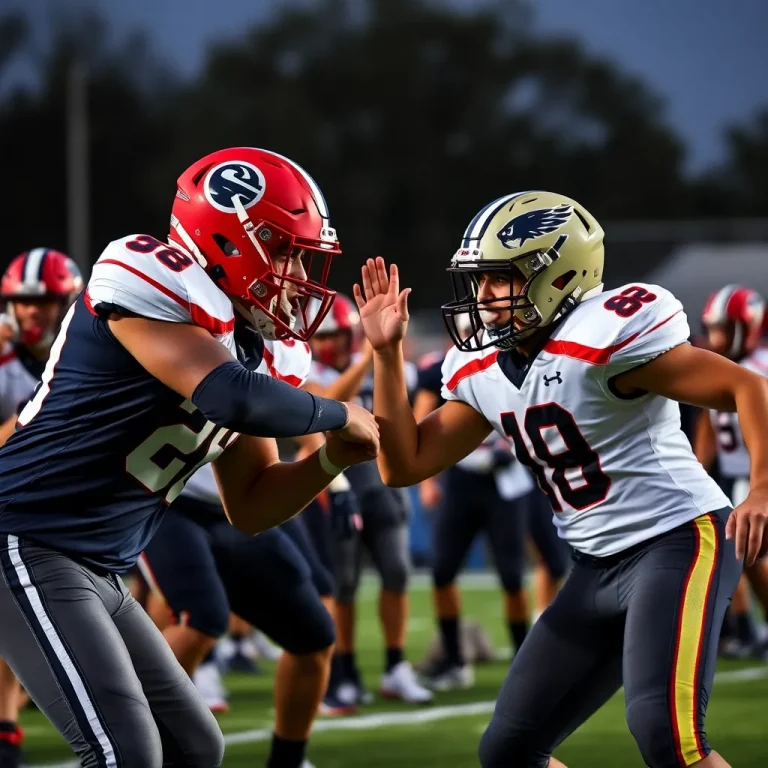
234, 179
533, 224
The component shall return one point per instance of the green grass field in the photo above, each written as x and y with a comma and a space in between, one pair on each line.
737, 723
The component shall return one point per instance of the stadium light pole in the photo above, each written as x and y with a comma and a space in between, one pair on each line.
78, 183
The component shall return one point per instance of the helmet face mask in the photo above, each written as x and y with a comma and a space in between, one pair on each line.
551, 250
463, 316
258, 224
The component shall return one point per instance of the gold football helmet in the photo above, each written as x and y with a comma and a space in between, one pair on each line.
551, 240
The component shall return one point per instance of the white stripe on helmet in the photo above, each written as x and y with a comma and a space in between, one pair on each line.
716, 313
317, 195
32, 264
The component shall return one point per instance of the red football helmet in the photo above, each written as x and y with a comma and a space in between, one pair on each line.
239, 209
40, 274
343, 319
740, 309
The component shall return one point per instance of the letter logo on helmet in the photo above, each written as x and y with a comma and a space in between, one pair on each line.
234, 179
533, 224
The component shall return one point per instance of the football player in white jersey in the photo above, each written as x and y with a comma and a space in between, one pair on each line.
38, 286
734, 318
583, 383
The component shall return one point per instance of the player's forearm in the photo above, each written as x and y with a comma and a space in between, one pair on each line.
347, 385
398, 429
751, 399
281, 491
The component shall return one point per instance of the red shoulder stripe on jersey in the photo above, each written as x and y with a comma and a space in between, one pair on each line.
199, 315
289, 378
88, 302
658, 325
7, 357
595, 355
592, 355
472, 367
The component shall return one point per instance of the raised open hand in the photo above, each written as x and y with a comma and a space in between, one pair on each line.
383, 306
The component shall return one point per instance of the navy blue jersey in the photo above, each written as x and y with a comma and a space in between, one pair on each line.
431, 376
91, 472
102, 446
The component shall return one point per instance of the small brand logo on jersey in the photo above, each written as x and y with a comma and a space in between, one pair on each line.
549, 379
234, 179
533, 224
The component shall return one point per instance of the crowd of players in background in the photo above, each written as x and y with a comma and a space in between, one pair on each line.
197, 577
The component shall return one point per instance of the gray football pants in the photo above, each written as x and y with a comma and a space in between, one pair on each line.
96, 665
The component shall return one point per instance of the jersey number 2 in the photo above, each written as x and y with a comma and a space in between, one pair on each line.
165, 460
577, 456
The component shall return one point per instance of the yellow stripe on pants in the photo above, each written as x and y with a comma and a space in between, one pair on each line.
686, 682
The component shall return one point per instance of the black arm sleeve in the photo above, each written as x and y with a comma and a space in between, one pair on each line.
256, 404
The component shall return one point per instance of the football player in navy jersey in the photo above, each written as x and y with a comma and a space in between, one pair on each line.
143, 386
38, 287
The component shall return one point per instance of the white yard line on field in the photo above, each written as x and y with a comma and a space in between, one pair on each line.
411, 717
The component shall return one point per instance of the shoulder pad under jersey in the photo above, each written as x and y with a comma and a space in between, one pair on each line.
160, 282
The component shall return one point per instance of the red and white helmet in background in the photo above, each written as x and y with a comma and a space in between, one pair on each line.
238, 209
740, 309
343, 318
40, 274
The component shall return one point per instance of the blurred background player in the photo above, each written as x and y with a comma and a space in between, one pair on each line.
734, 319
338, 367
37, 287
488, 490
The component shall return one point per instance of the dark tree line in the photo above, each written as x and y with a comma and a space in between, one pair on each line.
410, 116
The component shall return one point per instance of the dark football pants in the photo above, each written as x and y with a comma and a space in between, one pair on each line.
204, 570
553, 550
471, 503
315, 519
648, 618
322, 577
97, 666
386, 537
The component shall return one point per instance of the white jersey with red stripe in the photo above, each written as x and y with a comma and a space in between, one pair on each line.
161, 282
287, 360
617, 471
18, 378
732, 455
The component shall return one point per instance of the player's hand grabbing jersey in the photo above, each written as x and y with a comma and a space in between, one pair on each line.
103, 447
596, 454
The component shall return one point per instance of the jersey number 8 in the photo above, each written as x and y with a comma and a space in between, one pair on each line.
629, 301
